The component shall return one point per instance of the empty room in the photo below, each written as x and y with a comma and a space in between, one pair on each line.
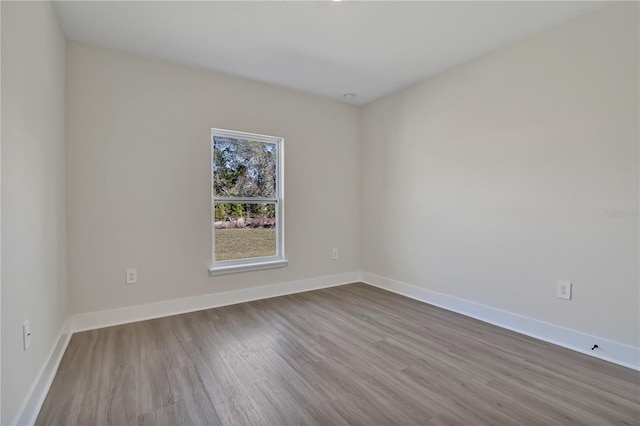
320, 213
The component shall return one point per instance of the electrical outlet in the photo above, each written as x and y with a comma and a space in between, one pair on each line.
334, 254
563, 290
132, 276
26, 335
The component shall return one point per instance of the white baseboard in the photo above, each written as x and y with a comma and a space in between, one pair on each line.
32, 403
608, 350
100, 319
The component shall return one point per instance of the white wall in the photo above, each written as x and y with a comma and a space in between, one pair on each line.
33, 194
138, 182
490, 181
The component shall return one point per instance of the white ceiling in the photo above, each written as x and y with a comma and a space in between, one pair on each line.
322, 47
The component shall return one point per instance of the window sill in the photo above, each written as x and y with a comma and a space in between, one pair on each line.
247, 267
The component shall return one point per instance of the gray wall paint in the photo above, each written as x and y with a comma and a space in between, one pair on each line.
490, 182
33, 193
138, 158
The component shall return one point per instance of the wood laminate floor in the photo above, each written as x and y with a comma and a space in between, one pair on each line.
346, 355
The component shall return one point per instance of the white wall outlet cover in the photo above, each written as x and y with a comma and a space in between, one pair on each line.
334, 254
563, 290
132, 275
26, 334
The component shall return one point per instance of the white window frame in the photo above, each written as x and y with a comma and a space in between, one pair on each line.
256, 263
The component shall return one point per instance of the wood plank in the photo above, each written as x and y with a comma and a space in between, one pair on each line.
352, 354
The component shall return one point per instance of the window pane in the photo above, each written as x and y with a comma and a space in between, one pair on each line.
244, 230
244, 168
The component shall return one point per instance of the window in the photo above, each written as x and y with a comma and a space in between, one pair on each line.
246, 201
